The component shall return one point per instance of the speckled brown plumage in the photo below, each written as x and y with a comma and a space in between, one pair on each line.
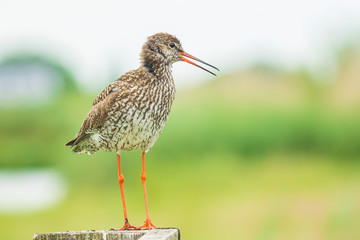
131, 112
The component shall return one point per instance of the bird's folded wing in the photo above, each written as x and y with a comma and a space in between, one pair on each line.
104, 105
113, 87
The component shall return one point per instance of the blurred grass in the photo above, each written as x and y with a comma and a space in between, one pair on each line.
256, 155
215, 197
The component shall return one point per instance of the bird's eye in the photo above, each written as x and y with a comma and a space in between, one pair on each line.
172, 45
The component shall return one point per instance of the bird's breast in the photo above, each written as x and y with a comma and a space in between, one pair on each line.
139, 121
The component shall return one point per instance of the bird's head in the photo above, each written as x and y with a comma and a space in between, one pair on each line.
166, 48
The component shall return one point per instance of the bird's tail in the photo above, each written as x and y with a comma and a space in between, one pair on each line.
71, 143
80, 144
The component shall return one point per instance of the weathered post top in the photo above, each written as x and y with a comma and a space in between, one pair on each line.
158, 234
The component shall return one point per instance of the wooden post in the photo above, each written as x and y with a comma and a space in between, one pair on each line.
158, 234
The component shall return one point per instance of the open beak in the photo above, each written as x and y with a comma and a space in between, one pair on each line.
184, 54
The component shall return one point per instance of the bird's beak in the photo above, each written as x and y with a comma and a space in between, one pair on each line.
184, 54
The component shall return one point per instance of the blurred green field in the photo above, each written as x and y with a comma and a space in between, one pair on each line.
254, 155
213, 197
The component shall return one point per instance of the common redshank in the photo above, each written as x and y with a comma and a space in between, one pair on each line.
132, 111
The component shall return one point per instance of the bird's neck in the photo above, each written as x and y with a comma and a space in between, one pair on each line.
160, 69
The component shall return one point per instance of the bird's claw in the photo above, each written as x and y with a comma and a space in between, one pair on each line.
147, 225
127, 226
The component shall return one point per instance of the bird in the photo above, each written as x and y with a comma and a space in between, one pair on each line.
131, 112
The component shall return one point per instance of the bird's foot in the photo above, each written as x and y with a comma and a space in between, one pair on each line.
147, 225
127, 226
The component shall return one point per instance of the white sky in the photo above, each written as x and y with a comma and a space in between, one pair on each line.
100, 40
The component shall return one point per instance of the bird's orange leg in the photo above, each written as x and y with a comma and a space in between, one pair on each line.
127, 225
148, 224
